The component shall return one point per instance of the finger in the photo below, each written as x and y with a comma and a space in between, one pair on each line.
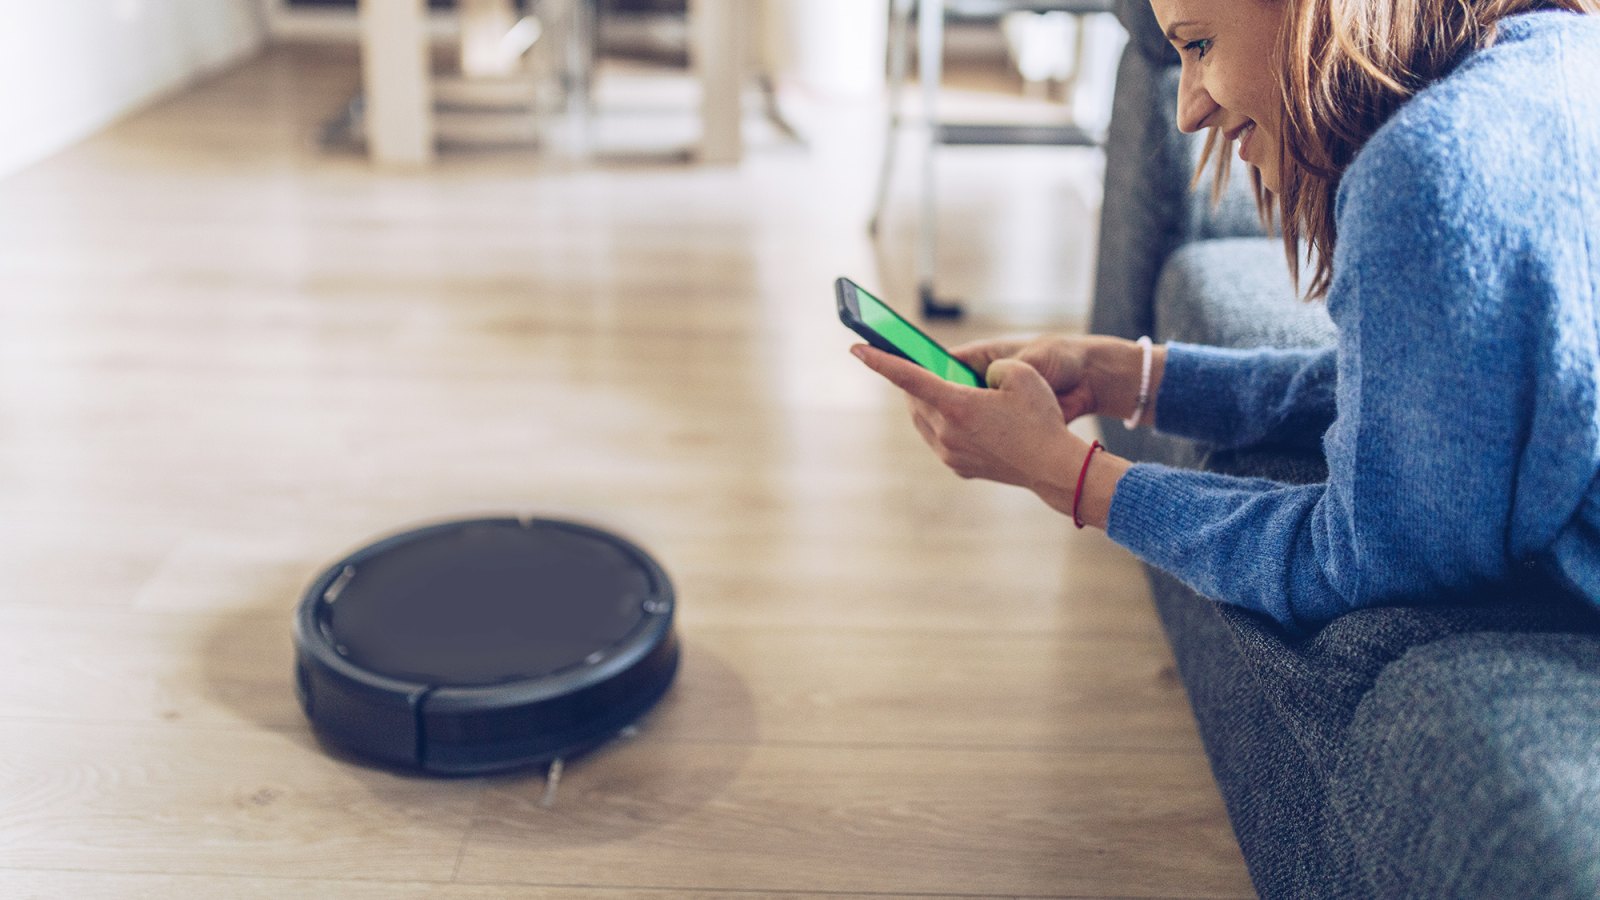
1012, 374
908, 376
981, 354
1074, 403
1047, 357
926, 430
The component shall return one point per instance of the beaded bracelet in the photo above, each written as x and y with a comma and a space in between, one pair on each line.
1132, 421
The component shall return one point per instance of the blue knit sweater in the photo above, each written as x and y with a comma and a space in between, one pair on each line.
1460, 410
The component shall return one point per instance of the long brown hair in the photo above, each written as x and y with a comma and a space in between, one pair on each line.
1347, 65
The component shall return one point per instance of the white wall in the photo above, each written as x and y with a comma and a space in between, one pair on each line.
70, 67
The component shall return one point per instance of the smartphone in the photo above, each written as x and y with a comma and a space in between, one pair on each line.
887, 330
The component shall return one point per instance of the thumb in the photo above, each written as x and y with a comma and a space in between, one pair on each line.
1013, 374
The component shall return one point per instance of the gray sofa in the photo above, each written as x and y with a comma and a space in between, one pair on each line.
1429, 751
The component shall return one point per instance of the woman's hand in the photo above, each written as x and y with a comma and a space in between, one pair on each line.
1012, 433
1088, 375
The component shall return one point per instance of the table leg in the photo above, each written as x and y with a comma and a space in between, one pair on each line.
395, 73
718, 30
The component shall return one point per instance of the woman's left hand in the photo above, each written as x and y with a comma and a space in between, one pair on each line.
1012, 432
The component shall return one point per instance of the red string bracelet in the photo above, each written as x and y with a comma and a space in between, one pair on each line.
1083, 475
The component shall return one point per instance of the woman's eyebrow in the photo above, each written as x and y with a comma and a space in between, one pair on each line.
1172, 30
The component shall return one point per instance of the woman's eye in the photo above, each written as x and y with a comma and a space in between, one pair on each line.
1203, 46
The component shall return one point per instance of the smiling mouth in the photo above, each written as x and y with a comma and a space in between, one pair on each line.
1242, 134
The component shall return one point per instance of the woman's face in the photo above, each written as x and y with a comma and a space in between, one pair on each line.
1229, 50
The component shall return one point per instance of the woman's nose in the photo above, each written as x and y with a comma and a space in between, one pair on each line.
1195, 105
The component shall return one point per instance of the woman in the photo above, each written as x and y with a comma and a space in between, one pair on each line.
1441, 160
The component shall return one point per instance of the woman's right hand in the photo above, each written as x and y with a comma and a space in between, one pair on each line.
1090, 374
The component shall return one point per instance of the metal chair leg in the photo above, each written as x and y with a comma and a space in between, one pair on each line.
899, 63
930, 53
583, 17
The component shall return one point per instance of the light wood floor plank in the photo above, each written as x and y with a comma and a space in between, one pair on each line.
878, 688
224, 801
51, 885
738, 685
865, 820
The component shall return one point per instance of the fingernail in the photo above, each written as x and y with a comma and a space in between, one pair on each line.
859, 353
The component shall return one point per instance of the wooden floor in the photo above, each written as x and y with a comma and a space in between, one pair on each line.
227, 357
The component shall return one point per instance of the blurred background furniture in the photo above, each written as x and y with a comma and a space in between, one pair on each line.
931, 16
400, 120
1444, 751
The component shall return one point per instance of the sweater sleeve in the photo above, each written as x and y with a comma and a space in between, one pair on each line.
1436, 296
1239, 398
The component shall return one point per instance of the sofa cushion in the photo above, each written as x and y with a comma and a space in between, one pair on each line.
1472, 768
1231, 292
1317, 682
1236, 293
1304, 740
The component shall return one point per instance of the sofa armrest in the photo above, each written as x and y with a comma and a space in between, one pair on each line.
1472, 769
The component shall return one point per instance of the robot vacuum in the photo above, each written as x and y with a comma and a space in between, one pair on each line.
484, 645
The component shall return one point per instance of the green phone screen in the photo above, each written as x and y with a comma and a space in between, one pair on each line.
912, 342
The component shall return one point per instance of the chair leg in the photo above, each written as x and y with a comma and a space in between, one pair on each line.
899, 56
930, 53
582, 37
933, 307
